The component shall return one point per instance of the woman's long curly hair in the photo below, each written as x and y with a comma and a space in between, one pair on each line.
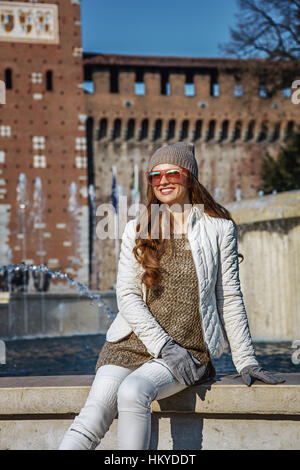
147, 250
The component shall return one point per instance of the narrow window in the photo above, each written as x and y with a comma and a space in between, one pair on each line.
144, 129
49, 80
276, 132
114, 81
139, 85
171, 129
189, 87
164, 84
263, 132
214, 85
184, 130
102, 129
139, 88
116, 129
288, 130
250, 131
157, 129
211, 130
224, 130
286, 92
238, 90
8, 79
198, 129
262, 90
130, 129
237, 131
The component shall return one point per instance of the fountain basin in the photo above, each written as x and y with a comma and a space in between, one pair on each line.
53, 314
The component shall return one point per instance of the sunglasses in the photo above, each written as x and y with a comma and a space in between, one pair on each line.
173, 176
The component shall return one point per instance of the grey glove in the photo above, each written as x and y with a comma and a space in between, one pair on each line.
258, 372
182, 363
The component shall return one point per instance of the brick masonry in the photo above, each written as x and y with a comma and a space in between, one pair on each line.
138, 104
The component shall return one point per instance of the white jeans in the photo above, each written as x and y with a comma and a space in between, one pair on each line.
128, 393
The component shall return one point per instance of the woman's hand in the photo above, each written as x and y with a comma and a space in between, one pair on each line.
182, 364
257, 372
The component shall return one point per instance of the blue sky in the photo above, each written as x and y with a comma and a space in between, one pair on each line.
185, 28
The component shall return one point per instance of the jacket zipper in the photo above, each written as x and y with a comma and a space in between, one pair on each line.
199, 306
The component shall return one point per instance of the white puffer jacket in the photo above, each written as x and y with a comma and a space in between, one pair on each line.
214, 247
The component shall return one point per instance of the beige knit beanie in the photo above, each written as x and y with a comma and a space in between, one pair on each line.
181, 154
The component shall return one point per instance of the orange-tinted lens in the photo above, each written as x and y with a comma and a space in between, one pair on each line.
154, 177
173, 176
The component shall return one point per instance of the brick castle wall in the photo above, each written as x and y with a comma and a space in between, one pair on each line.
141, 103
43, 135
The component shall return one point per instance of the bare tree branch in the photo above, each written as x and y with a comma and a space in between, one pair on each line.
266, 29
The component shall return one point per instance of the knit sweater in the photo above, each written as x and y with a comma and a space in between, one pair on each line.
175, 305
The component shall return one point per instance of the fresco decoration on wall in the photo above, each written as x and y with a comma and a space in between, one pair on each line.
23, 22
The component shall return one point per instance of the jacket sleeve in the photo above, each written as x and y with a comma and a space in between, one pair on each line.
129, 297
230, 301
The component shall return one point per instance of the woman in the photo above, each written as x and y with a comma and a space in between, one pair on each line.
179, 302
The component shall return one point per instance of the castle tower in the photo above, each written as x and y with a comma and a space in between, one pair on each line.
43, 165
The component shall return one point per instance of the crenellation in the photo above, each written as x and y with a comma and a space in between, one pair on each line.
101, 80
152, 82
177, 82
127, 81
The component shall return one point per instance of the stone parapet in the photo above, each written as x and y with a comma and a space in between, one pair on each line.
222, 414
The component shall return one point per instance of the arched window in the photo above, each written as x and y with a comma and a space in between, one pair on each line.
102, 128
184, 130
117, 129
130, 129
250, 131
144, 129
211, 130
276, 132
237, 131
289, 129
263, 132
157, 129
198, 130
171, 129
224, 130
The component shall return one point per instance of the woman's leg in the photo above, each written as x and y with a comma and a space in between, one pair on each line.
100, 408
152, 380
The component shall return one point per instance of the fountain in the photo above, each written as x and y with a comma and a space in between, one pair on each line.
73, 211
96, 300
93, 259
22, 204
41, 280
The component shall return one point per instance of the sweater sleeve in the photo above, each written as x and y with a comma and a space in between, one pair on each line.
230, 301
129, 297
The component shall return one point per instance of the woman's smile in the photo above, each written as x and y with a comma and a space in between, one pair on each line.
167, 190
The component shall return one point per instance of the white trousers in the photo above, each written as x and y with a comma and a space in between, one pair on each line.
127, 393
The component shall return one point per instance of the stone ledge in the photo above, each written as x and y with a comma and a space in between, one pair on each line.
268, 207
65, 395
222, 414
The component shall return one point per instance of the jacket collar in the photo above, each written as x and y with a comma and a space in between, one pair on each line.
195, 214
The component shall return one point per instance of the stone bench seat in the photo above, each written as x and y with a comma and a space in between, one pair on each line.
220, 414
